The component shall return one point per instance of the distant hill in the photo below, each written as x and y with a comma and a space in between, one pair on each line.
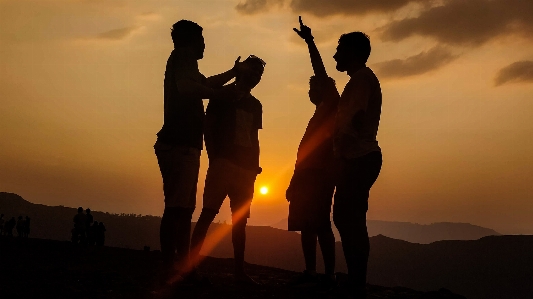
491, 267
418, 233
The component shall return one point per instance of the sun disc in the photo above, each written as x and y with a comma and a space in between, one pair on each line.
263, 190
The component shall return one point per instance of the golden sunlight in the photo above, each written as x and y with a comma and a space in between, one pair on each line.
263, 190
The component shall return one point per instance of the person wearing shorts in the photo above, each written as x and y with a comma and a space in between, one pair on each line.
180, 142
312, 185
232, 142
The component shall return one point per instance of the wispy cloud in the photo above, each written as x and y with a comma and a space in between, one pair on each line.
250, 7
517, 72
421, 63
117, 34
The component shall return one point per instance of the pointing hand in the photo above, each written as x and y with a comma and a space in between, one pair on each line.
304, 32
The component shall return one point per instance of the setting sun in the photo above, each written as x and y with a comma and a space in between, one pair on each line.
263, 190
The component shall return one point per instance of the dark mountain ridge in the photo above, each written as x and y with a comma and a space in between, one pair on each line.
491, 267
418, 233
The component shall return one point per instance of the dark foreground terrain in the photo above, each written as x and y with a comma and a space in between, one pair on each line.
36, 268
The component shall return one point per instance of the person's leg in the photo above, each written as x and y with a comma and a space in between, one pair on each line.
238, 238
309, 238
167, 233
215, 191
183, 239
240, 192
326, 239
199, 233
351, 205
179, 168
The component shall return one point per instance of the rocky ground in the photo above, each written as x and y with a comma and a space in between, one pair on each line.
35, 268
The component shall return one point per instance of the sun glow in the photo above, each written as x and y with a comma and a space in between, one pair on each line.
263, 190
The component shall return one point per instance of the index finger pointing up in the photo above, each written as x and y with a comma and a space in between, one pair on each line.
300, 19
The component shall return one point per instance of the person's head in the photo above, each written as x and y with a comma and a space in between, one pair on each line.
80, 210
251, 72
353, 51
88, 211
187, 34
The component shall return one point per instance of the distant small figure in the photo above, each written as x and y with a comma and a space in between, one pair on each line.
79, 232
26, 228
20, 226
2, 224
90, 218
100, 234
9, 226
92, 231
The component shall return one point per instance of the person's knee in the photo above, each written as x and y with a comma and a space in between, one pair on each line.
239, 222
208, 213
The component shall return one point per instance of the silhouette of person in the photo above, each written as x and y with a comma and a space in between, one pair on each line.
9, 226
26, 232
20, 226
180, 140
357, 151
357, 154
100, 234
80, 222
310, 191
232, 143
2, 221
89, 217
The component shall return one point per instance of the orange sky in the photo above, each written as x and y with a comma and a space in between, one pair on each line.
81, 91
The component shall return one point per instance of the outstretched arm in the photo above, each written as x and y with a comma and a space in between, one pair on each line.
316, 59
219, 80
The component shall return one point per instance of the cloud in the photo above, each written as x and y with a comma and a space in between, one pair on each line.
520, 71
250, 7
117, 34
421, 63
466, 22
323, 8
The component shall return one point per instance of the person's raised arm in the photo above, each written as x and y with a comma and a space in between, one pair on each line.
316, 59
192, 89
217, 81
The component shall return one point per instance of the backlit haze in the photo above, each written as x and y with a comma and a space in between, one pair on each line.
81, 91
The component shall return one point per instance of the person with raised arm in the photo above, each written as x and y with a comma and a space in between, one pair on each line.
180, 141
312, 185
358, 157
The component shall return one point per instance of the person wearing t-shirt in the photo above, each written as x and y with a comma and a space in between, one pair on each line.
180, 141
357, 153
232, 142
311, 188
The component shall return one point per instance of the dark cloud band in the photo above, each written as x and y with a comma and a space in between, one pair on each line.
323, 8
421, 63
520, 71
471, 22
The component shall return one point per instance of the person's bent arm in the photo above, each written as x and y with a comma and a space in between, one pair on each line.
193, 89
219, 80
